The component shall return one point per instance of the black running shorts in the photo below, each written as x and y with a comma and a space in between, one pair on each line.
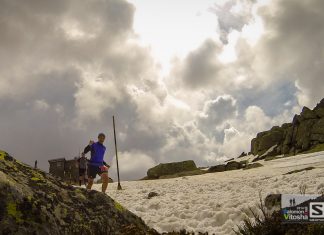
93, 171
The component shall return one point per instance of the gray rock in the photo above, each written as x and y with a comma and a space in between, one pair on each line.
233, 166
253, 165
152, 194
171, 169
217, 168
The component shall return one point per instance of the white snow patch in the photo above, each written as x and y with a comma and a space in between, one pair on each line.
216, 202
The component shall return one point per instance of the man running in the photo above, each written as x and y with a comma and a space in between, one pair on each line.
96, 164
82, 162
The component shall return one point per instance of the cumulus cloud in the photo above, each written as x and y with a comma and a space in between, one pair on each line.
64, 70
134, 165
67, 67
292, 46
215, 113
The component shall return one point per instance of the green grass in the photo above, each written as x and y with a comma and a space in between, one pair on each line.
317, 148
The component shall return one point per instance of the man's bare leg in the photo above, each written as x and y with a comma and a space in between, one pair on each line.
90, 183
104, 178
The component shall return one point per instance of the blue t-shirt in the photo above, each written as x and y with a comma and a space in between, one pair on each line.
97, 154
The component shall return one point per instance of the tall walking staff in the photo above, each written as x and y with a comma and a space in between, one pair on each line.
119, 186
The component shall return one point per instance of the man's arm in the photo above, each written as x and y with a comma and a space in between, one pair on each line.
88, 148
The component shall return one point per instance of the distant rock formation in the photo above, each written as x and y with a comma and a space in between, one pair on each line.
233, 165
305, 132
173, 169
34, 202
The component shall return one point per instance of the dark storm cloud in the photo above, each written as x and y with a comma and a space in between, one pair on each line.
51, 51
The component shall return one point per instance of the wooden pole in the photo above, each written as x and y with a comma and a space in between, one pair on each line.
119, 186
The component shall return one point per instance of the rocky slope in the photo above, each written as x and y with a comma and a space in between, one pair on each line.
306, 131
34, 202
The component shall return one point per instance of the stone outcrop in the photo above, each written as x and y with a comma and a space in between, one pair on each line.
165, 169
217, 168
252, 165
305, 132
34, 202
232, 165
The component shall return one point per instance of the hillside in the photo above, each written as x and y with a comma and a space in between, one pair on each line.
34, 202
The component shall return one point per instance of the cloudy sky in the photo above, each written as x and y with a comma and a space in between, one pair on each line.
185, 79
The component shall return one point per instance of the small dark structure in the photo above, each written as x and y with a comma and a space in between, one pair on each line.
68, 170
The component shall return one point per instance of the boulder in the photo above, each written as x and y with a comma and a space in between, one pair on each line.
218, 168
152, 194
233, 166
252, 165
171, 168
34, 202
